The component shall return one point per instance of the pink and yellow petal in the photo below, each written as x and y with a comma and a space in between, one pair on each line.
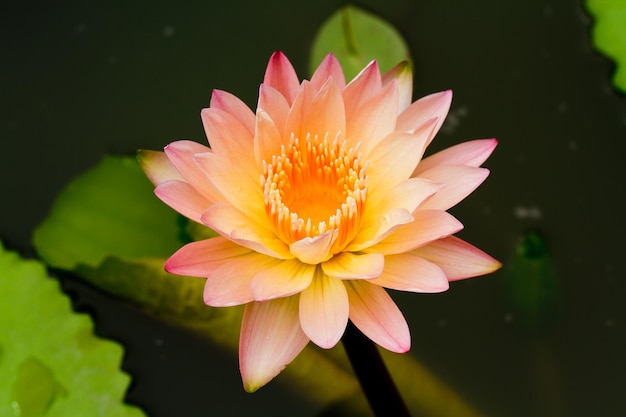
393, 160
199, 259
273, 105
374, 313
241, 191
404, 76
183, 198
182, 155
408, 272
314, 250
238, 227
408, 195
459, 180
374, 120
367, 83
328, 68
472, 153
268, 141
325, 114
232, 105
297, 113
348, 265
281, 76
457, 258
157, 166
231, 140
324, 310
379, 228
228, 284
433, 106
271, 337
429, 225
281, 280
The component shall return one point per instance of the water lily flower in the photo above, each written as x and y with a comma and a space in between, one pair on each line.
321, 200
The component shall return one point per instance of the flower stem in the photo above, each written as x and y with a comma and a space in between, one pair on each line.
376, 383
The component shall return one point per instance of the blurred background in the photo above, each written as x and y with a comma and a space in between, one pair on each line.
545, 336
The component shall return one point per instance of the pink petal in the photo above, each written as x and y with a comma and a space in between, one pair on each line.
348, 265
237, 226
367, 83
459, 180
324, 310
472, 153
157, 166
274, 105
394, 159
434, 106
183, 198
181, 153
428, 225
231, 140
325, 115
379, 228
281, 280
406, 272
314, 250
234, 106
373, 311
298, 111
374, 119
408, 195
268, 140
228, 284
270, 339
241, 191
281, 76
457, 258
199, 259
328, 68
403, 73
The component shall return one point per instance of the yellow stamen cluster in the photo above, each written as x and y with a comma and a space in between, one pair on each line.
314, 186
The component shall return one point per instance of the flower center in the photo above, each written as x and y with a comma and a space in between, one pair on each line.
315, 186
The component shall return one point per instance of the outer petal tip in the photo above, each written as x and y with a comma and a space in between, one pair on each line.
157, 166
458, 259
271, 337
281, 75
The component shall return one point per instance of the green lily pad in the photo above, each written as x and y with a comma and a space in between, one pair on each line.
51, 362
356, 37
609, 34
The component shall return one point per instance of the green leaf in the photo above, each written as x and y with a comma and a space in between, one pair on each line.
609, 34
356, 37
51, 362
109, 210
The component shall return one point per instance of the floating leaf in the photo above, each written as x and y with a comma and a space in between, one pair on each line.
609, 34
50, 361
356, 37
